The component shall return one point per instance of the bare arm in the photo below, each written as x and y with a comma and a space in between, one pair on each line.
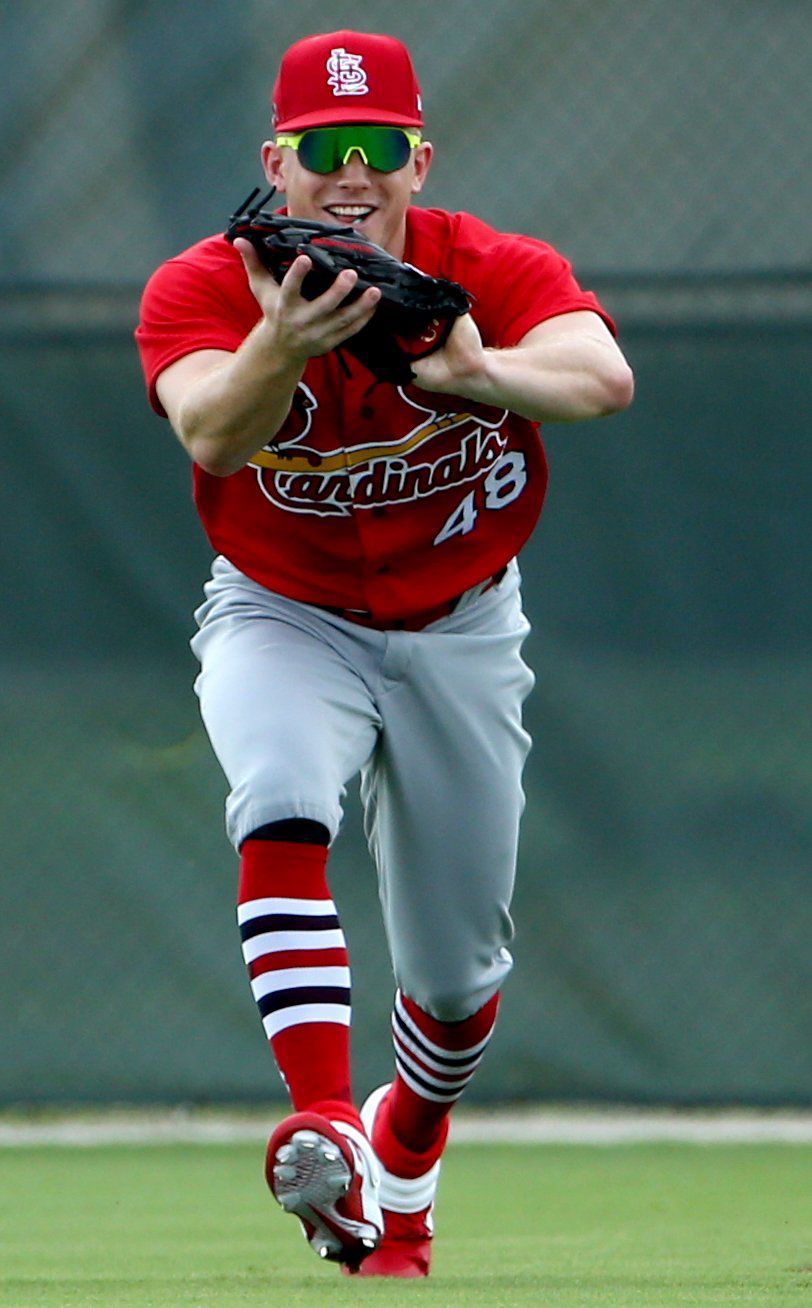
564, 369
224, 407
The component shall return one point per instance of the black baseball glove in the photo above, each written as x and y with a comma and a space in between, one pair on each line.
415, 313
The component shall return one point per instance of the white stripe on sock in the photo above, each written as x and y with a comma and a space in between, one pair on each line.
299, 1013
291, 977
264, 907
276, 942
421, 1090
456, 1084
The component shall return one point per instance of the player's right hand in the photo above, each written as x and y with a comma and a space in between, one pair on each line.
303, 329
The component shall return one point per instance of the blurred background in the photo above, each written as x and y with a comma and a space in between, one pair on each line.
663, 901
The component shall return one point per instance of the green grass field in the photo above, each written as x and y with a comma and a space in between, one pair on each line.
648, 1225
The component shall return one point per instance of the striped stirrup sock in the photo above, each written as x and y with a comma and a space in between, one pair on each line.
297, 962
434, 1063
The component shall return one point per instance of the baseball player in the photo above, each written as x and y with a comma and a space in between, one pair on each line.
363, 616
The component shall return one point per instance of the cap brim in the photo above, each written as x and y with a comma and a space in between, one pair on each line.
331, 117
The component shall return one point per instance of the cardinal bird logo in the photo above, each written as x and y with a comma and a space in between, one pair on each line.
424, 452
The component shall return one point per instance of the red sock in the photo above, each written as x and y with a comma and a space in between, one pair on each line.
297, 961
434, 1063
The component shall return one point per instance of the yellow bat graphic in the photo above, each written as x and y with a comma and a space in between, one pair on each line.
351, 458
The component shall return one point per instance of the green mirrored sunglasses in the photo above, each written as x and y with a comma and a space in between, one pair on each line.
326, 149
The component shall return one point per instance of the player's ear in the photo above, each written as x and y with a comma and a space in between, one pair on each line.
421, 163
273, 164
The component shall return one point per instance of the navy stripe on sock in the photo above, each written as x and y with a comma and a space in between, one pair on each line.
257, 926
428, 1085
303, 995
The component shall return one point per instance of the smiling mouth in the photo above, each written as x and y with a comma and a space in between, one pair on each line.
350, 213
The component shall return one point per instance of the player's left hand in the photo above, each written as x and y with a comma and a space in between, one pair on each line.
459, 362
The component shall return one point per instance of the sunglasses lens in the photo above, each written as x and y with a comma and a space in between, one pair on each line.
386, 148
317, 151
325, 149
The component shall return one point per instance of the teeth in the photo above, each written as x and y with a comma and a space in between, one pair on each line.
349, 210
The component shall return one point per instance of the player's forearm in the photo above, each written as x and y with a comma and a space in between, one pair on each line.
557, 380
237, 407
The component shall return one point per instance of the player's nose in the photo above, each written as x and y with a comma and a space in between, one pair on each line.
354, 170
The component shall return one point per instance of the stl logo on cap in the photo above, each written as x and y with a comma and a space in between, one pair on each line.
347, 76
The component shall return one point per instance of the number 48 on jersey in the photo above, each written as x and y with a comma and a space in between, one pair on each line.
503, 484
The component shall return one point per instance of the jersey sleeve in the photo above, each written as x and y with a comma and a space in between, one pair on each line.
523, 282
188, 306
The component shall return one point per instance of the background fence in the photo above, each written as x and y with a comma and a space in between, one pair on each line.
663, 905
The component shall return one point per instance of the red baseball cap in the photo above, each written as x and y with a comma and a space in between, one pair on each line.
346, 77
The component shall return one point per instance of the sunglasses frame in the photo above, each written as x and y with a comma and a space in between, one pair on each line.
294, 140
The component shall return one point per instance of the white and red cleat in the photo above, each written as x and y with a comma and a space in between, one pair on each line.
407, 1204
325, 1173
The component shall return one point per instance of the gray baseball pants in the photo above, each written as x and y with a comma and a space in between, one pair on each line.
297, 701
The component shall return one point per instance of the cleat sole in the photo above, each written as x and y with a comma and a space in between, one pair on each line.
310, 1175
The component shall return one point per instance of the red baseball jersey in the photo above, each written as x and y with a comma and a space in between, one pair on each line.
385, 499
